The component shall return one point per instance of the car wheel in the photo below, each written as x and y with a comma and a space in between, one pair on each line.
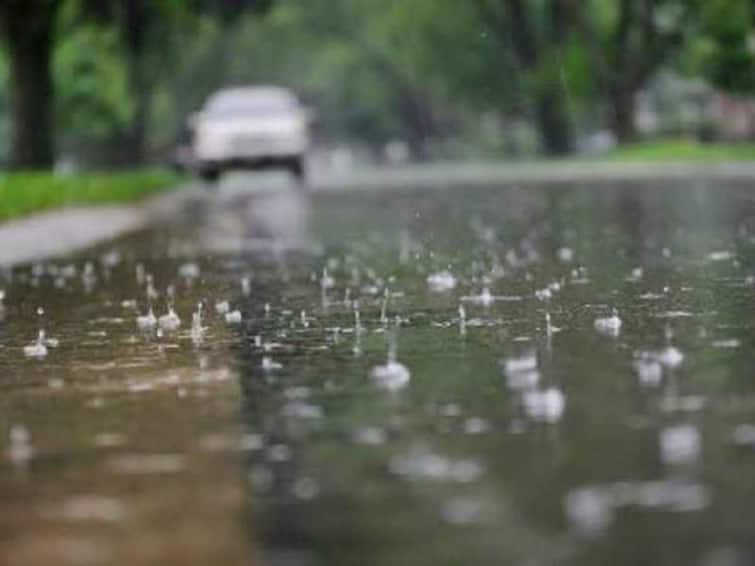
210, 175
296, 167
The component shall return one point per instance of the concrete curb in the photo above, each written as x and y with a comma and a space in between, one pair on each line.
64, 231
486, 174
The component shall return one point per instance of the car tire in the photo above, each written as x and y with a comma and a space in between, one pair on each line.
210, 175
295, 166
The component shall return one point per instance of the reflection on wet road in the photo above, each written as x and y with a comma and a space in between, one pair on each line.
535, 374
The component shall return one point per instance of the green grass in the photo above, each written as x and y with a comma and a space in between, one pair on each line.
24, 193
681, 150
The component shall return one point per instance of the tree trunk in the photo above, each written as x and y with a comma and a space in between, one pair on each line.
134, 144
554, 124
532, 50
134, 34
417, 121
29, 33
623, 106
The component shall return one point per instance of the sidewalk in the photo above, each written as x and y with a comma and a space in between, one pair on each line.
443, 175
64, 231
67, 230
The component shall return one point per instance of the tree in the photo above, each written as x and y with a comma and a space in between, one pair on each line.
148, 29
145, 28
537, 34
28, 27
371, 36
628, 42
725, 50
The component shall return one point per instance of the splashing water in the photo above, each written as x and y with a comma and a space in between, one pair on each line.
441, 281
550, 330
565, 255
37, 349
147, 321
680, 444
326, 281
393, 375
521, 372
357, 318
648, 369
197, 330
152, 293
20, 449
544, 294
670, 357
169, 321
233, 317
188, 271
609, 325
545, 406
269, 365
485, 298
384, 307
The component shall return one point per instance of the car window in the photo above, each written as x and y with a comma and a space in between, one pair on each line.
249, 103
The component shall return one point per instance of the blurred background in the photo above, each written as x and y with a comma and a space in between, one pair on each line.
110, 83
518, 355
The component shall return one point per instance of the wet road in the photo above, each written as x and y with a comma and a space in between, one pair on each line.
520, 374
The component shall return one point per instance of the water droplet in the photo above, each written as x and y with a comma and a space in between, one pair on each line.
670, 357
462, 511
20, 449
148, 321
609, 325
370, 436
649, 370
169, 321
37, 349
268, 364
476, 425
305, 488
589, 510
441, 281
233, 317
544, 406
189, 270
680, 444
565, 255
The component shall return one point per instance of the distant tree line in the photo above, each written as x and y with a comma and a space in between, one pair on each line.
32, 29
124, 73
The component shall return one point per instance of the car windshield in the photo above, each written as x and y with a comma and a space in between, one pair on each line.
238, 103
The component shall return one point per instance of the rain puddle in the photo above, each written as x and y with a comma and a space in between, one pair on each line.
535, 375
108, 410
508, 375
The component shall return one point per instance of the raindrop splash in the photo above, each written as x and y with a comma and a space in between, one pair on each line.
609, 325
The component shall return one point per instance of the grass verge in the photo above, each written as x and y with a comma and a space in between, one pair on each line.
682, 150
27, 192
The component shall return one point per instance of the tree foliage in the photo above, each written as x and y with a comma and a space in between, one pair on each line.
726, 48
127, 72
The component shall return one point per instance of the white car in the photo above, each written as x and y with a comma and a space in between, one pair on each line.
250, 128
